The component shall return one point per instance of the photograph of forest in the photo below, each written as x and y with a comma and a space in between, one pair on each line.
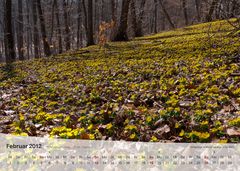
133, 70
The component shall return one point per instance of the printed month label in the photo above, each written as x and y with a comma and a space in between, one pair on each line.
32, 153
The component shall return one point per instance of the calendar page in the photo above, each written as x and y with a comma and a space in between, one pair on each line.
29, 153
119, 85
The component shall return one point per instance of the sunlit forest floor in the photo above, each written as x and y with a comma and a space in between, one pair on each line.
176, 86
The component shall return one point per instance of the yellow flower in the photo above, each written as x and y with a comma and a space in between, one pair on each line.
90, 127
181, 133
154, 139
177, 125
109, 126
91, 136
148, 119
131, 127
133, 136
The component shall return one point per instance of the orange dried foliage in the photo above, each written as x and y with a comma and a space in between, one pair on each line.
104, 27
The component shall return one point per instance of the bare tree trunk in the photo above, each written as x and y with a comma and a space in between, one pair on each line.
35, 29
235, 9
185, 12
46, 46
211, 10
163, 27
90, 40
79, 21
166, 14
52, 21
8, 34
151, 22
1, 52
121, 34
155, 16
218, 11
59, 34
113, 8
114, 18
28, 31
139, 30
197, 5
96, 20
66, 22
20, 31
134, 16
102, 10
85, 17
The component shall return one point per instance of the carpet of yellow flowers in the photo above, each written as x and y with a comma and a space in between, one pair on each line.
176, 86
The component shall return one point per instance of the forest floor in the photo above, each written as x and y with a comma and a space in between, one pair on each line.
175, 86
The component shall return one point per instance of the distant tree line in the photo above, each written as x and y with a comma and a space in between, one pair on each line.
38, 28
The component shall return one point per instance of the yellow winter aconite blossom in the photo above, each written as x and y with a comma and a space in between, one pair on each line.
21, 117
131, 127
82, 118
90, 127
173, 79
154, 139
235, 122
202, 136
148, 119
133, 136
177, 125
181, 133
109, 126
237, 92
91, 137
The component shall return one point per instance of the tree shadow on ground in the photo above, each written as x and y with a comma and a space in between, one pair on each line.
8, 72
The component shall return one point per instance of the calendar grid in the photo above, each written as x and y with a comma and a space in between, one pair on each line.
107, 155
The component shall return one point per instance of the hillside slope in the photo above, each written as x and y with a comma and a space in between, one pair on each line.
180, 86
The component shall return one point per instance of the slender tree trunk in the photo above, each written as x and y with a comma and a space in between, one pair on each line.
79, 21
134, 17
20, 31
197, 5
185, 12
1, 52
235, 8
121, 34
28, 31
151, 28
90, 40
66, 22
102, 10
113, 8
35, 29
166, 14
163, 27
59, 34
218, 11
96, 21
155, 16
52, 21
8, 34
46, 46
211, 10
85, 17
139, 30
114, 19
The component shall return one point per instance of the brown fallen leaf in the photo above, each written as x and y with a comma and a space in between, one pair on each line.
163, 130
158, 123
233, 132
